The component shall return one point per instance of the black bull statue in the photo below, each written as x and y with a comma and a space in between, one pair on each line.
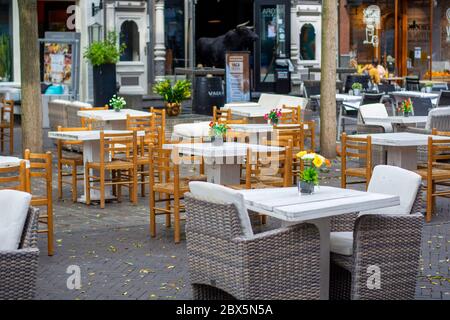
211, 51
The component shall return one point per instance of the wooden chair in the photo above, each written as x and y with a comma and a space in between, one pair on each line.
14, 178
41, 169
221, 116
360, 149
72, 161
85, 122
159, 118
237, 121
435, 174
169, 188
109, 143
7, 125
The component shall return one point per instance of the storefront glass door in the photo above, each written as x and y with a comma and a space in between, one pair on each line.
272, 26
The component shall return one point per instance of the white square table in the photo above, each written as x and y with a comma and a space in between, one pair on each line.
91, 152
254, 112
7, 162
400, 96
222, 163
401, 147
292, 208
400, 120
113, 120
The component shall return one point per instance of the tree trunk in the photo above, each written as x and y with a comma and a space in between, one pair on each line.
32, 133
328, 79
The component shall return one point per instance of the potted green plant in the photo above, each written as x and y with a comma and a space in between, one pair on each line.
357, 88
117, 103
309, 177
173, 95
103, 56
217, 132
428, 87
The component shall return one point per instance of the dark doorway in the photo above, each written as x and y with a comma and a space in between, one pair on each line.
55, 16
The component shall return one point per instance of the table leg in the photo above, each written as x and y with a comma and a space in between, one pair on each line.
223, 174
91, 152
323, 225
403, 157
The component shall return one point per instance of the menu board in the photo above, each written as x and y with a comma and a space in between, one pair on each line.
237, 76
58, 63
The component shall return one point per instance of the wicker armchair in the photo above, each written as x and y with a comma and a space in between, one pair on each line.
387, 240
18, 268
225, 264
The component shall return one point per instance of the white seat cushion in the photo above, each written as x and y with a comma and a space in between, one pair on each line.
13, 215
267, 100
374, 110
219, 194
341, 243
292, 101
196, 130
395, 181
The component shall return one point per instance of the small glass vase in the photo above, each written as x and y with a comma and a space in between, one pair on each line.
217, 141
117, 109
406, 114
305, 187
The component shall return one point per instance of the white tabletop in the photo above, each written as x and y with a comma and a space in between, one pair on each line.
111, 115
251, 128
6, 162
228, 149
415, 94
241, 104
252, 111
400, 139
343, 97
288, 205
85, 135
400, 120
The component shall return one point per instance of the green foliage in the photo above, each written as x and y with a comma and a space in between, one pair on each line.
104, 52
173, 94
429, 84
117, 103
5, 57
218, 129
357, 86
310, 175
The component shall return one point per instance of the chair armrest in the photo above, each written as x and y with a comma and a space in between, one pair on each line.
417, 130
391, 243
370, 128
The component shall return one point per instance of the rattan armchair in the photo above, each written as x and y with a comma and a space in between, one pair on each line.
224, 264
18, 268
388, 239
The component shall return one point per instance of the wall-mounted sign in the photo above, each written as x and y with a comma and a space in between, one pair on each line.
448, 25
372, 18
58, 63
237, 76
417, 53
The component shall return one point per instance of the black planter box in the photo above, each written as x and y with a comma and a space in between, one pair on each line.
104, 84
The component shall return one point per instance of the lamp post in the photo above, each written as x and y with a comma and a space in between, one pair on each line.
95, 32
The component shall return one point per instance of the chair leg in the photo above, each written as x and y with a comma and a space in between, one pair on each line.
176, 213
429, 201
74, 182
11, 140
263, 219
433, 202
168, 217
135, 187
152, 215
88, 185
102, 188
60, 186
114, 179
142, 182
2, 137
50, 247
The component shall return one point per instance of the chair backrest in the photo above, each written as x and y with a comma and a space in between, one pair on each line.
7, 112
386, 88
439, 119
294, 116
268, 100
444, 99
311, 88
357, 148
40, 169
221, 116
398, 182
115, 143
61, 143
371, 98
14, 178
412, 83
165, 167
159, 116
292, 101
294, 133
218, 194
421, 106
353, 78
375, 110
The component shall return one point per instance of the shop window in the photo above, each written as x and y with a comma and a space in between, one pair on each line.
174, 26
308, 42
129, 35
5, 44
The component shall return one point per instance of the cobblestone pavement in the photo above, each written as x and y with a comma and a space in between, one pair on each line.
119, 260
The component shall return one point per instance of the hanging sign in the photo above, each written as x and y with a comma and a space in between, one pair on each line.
372, 18
448, 25
237, 76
